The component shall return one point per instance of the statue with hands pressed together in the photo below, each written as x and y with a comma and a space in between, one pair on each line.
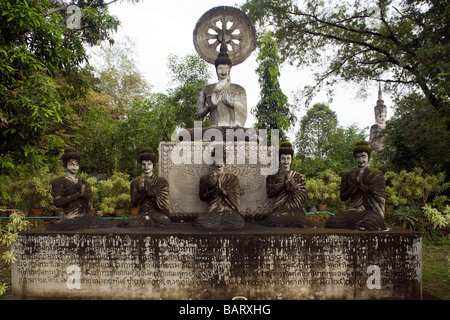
287, 189
74, 197
151, 194
222, 192
366, 190
225, 102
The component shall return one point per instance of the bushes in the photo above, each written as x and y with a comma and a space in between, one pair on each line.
413, 187
8, 234
111, 194
421, 203
419, 200
324, 189
431, 220
32, 189
438, 219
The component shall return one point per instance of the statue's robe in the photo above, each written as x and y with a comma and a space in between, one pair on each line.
76, 209
287, 189
222, 192
366, 191
151, 195
376, 137
223, 115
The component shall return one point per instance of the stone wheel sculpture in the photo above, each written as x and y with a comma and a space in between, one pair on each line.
227, 25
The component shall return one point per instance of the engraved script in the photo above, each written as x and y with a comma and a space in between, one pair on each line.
156, 266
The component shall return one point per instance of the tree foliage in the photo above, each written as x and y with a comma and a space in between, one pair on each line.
403, 43
322, 144
147, 123
119, 77
415, 137
272, 110
316, 128
189, 74
108, 143
41, 61
95, 140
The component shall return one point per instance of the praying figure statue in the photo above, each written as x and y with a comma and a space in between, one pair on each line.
73, 196
287, 188
151, 195
225, 102
366, 190
222, 192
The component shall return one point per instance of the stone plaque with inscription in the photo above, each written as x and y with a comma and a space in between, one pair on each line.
185, 263
183, 163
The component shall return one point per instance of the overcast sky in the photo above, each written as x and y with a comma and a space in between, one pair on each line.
160, 28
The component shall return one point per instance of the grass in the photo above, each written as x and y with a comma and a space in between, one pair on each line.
436, 271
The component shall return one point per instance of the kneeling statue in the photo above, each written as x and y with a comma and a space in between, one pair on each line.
287, 188
73, 196
151, 194
222, 192
366, 189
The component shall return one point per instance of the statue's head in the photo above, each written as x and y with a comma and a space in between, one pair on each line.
361, 153
380, 109
218, 158
147, 159
223, 63
286, 153
380, 114
71, 160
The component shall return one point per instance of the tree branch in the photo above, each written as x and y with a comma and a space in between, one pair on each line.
396, 81
338, 24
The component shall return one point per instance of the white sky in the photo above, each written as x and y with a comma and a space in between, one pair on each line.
163, 27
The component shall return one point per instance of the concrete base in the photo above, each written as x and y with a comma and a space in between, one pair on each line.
184, 263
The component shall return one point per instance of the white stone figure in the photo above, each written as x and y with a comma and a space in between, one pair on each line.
225, 102
376, 131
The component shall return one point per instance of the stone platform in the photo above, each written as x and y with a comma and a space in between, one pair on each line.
185, 263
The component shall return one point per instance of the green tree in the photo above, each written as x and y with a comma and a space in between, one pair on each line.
96, 142
316, 128
322, 144
147, 123
415, 137
119, 77
140, 129
341, 157
41, 58
404, 44
189, 75
272, 110
109, 143
163, 118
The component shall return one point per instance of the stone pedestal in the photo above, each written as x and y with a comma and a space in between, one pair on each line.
183, 163
185, 263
